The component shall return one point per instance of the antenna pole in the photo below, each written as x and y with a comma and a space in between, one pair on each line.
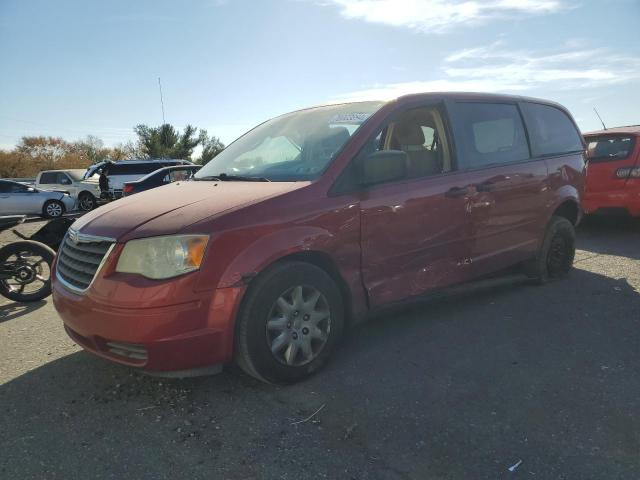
161, 101
603, 125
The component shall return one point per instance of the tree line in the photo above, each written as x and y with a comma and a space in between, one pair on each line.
36, 153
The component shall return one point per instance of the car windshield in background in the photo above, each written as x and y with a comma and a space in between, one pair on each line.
609, 148
295, 146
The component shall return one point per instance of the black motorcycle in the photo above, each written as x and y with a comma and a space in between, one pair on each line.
25, 266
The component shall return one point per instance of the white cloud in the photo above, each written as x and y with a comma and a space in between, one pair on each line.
493, 69
437, 16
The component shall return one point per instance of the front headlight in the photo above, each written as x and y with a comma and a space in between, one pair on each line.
163, 257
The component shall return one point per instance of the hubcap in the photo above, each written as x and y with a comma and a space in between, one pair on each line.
54, 210
86, 203
298, 325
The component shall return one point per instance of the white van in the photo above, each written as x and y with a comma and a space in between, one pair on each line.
118, 173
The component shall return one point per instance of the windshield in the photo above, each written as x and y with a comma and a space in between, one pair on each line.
601, 149
295, 146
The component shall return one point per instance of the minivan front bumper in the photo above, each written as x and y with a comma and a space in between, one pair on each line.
172, 338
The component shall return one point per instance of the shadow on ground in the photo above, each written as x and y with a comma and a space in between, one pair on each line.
624, 233
462, 388
14, 310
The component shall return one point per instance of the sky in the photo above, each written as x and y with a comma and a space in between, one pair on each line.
73, 68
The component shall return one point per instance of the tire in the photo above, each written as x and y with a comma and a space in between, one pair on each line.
86, 202
11, 291
555, 257
271, 302
53, 209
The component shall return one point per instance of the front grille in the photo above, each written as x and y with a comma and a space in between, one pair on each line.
79, 261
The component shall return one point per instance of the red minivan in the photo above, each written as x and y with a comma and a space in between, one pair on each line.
613, 176
316, 218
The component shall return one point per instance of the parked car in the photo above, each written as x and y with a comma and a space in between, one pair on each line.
613, 175
313, 220
119, 173
85, 191
160, 177
19, 199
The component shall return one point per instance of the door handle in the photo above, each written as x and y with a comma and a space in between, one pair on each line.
456, 192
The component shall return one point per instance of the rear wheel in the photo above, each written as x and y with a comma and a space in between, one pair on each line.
86, 202
291, 320
557, 252
53, 209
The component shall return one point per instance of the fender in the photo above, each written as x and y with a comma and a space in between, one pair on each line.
269, 248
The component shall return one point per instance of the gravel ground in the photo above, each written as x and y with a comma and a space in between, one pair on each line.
455, 389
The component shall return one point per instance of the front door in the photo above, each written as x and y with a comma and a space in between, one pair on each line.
415, 231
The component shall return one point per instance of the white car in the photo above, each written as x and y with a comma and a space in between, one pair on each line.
85, 191
19, 199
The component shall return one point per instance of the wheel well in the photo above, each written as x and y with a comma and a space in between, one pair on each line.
86, 192
568, 210
326, 263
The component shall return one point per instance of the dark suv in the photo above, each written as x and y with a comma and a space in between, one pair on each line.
316, 218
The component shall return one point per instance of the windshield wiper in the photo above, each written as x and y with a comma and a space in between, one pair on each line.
241, 178
223, 177
210, 178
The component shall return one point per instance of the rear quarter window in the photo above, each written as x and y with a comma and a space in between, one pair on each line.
551, 131
609, 148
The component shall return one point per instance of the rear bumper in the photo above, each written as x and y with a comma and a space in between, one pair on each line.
181, 337
626, 199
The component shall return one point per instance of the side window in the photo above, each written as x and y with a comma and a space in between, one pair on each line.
489, 134
178, 175
48, 178
63, 179
4, 187
17, 188
551, 131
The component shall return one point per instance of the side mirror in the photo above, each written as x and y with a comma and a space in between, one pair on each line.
384, 166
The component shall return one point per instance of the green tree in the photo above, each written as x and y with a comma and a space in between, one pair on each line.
211, 146
167, 142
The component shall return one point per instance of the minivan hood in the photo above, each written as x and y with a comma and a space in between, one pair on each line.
169, 209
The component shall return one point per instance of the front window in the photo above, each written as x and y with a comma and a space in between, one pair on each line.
295, 146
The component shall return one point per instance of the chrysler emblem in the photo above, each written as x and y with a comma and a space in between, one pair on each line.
73, 236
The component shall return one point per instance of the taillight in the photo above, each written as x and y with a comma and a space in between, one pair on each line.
127, 189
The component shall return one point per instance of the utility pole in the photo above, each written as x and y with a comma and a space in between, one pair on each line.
161, 101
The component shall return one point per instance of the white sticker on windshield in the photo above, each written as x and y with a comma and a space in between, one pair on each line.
356, 117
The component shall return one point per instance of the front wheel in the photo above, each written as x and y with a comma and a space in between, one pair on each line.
25, 271
86, 202
555, 257
53, 209
289, 324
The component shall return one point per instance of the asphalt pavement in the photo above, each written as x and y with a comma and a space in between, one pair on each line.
540, 379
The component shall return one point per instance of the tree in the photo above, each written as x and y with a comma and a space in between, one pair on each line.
211, 146
167, 142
